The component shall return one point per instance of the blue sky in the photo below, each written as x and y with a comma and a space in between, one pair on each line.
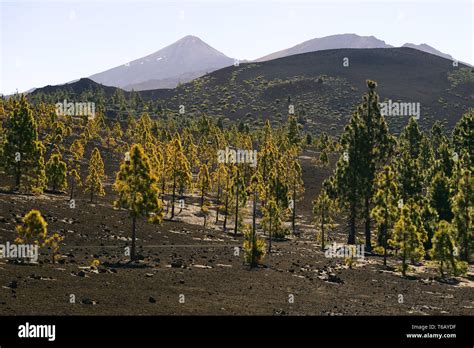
51, 42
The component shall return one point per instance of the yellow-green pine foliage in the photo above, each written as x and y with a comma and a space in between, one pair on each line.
254, 248
294, 180
33, 229
137, 187
445, 250
324, 210
53, 243
204, 182
253, 245
77, 150
272, 221
409, 235
463, 209
96, 175
138, 191
74, 180
36, 178
239, 193
385, 210
219, 179
178, 171
56, 172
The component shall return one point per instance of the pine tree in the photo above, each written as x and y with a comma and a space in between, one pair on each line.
294, 136
408, 235
238, 192
347, 179
74, 181
324, 211
463, 203
77, 150
96, 176
410, 175
53, 242
204, 182
36, 178
323, 159
295, 181
178, 169
385, 210
33, 230
271, 220
430, 219
440, 196
463, 135
254, 246
376, 146
219, 179
56, 171
138, 192
22, 153
426, 160
445, 250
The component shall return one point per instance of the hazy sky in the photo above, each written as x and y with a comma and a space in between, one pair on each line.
52, 42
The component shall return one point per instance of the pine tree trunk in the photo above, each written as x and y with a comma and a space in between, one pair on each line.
72, 190
173, 197
368, 244
293, 217
202, 196
226, 212
236, 211
18, 176
218, 202
352, 222
270, 237
132, 252
254, 227
384, 241
322, 233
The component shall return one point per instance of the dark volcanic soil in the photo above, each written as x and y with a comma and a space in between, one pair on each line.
188, 270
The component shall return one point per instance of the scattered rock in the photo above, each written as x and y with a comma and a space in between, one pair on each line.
88, 301
151, 300
81, 274
148, 275
177, 263
332, 278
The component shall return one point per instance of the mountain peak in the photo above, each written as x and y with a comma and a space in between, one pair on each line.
189, 38
181, 61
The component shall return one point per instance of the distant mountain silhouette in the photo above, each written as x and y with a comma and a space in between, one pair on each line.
182, 61
345, 41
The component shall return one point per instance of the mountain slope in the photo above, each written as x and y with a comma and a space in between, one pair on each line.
323, 91
345, 41
328, 43
189, 56
428, 49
